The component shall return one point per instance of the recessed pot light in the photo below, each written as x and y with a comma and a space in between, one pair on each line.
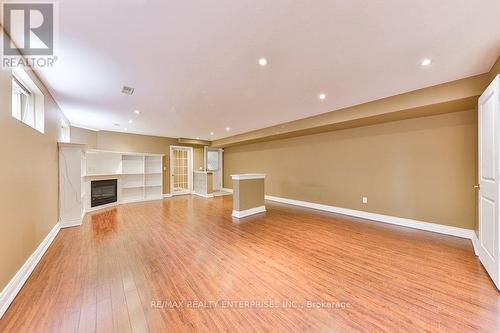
322, 96
130, 121
211, 133
197, 138
228, 129
137, 112
263, 61
426, 62
126, 129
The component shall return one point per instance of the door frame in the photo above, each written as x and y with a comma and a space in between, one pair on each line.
491, 264
190, 170
221, 163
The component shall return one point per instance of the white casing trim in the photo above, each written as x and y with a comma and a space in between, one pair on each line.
475, 243
16, 283
203, 195
248, 212
249, 176
421, 225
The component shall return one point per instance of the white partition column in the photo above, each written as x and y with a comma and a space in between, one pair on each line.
71, 157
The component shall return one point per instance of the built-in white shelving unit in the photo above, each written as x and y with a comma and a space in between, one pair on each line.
140, 175
133, 164
153, 177
133, 178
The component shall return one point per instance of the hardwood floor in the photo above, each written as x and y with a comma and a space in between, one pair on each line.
142, 267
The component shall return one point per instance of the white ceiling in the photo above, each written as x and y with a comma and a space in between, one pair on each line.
194, 64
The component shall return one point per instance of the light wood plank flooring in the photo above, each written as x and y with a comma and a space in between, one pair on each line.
184, 265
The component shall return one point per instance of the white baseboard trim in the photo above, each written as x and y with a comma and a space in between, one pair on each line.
421, 225
16, 283
71, 223
252, 211
475, 243
203, 195
167, 195
230, 190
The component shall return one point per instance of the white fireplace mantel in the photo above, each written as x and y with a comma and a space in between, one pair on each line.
139, 178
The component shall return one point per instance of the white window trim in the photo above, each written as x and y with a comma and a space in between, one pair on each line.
37, 99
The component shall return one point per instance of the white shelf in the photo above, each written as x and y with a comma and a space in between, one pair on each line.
101, 174
133, 186
133, 200
140, 175
133, 180
153, 164
133, 164
153, 192
154, 172
132, 194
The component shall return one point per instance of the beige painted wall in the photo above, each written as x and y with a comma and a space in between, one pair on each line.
421, 168
29, 178
248, 194
81, 135
125, 142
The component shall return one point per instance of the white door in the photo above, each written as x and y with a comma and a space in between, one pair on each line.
213, 158
489, 232
181, 170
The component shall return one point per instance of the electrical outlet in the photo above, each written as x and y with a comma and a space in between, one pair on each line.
365, 200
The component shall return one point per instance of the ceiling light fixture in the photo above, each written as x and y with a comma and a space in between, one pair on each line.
130, 121
126, 129
322, 96
137, 112
211, 133
197, 138
228, 129
263, 62
426, 62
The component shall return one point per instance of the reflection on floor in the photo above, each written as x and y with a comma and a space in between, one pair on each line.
185, 265
221, 193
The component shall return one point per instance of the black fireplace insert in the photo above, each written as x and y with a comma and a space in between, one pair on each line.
103, 192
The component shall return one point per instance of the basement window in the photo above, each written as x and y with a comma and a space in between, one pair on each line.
212, 160
27, 100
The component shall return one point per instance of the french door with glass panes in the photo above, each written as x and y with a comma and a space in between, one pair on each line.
181, 170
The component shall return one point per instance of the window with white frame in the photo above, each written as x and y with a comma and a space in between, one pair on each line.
22, 103
27, 100
212, 160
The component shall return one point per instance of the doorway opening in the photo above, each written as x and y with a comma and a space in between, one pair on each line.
181, 170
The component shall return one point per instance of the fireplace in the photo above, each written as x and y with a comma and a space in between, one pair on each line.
103, 192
